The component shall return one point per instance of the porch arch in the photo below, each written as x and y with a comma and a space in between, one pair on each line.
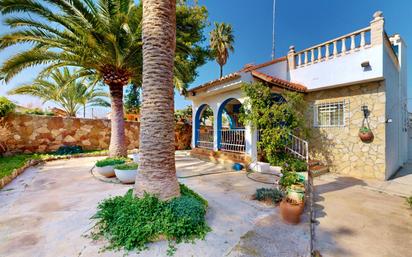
231, 138
204, 139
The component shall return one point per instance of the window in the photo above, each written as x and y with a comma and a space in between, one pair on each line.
330, 114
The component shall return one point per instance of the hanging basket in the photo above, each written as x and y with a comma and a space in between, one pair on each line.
366, 136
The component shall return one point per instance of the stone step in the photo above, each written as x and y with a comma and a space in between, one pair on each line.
318, 170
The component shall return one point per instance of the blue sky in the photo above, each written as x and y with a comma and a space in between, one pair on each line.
300, 22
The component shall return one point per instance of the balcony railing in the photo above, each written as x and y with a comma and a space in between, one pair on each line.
232, 140
334, 48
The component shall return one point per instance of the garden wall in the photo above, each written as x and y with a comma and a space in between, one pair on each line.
40, 134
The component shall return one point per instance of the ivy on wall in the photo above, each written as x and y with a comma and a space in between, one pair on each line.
276, 116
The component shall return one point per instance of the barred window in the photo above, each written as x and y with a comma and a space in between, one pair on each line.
330, 114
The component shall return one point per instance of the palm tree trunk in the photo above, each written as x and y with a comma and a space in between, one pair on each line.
221, 70
117, 146
84, 111
157, 171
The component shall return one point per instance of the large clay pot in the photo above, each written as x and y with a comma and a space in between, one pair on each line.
366, 136
291, 212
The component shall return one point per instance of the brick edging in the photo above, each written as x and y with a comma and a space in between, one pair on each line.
30, 163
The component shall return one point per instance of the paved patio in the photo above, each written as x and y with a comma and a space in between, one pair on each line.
46, 211
362, 218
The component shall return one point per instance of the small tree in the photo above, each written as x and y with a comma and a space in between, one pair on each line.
184, 114
221, 43
132, 99
276, 116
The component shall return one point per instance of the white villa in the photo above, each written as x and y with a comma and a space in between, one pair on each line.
340, 79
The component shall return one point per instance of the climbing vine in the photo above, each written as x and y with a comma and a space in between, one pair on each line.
276, 116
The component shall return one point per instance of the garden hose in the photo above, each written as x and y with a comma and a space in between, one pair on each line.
250, 171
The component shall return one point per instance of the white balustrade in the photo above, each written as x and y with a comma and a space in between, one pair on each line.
323, 49
232, 140
343, 50
205, 138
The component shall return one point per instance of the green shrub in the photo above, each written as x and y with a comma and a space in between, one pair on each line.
38, 111
69, 149
273, 194
110, 162
127, 166
289, 178
131, 223
409, 201
6, 106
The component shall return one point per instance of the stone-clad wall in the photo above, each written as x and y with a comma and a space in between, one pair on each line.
341, 148
39, 134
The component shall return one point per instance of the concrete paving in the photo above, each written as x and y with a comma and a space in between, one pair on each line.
358, 218
46, 212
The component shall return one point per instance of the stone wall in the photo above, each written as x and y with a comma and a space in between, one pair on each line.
340, 147
40, 134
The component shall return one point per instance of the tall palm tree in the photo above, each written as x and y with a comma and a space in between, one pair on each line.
221, 42
102, 37
62, 89
157, 171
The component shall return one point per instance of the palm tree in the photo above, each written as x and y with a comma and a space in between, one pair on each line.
157, 171
69, 94
102, 37
221, 42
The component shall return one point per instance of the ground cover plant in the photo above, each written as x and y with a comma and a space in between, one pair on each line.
110, 161
130, 223
127, 166
273, 195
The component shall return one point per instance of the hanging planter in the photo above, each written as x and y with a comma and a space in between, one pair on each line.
366, 135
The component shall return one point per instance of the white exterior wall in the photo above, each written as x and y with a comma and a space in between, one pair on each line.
279, 70
341, 70
215, 101
396, 131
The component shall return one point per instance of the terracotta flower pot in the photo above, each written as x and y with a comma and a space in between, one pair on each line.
291, 212
366, 136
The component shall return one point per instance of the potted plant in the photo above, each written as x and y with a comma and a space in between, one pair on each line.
105, 167
126, 173
291, 208
136, 158
366, 134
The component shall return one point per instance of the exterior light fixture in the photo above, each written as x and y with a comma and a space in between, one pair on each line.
365, 64
366, 111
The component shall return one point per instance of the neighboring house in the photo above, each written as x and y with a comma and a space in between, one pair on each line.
340, 78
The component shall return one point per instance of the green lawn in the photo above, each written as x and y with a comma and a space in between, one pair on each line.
9, 163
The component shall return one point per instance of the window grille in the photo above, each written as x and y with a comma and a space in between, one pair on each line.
331, 114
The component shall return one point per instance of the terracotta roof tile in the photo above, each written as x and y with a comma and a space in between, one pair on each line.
279, 82
250, 67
